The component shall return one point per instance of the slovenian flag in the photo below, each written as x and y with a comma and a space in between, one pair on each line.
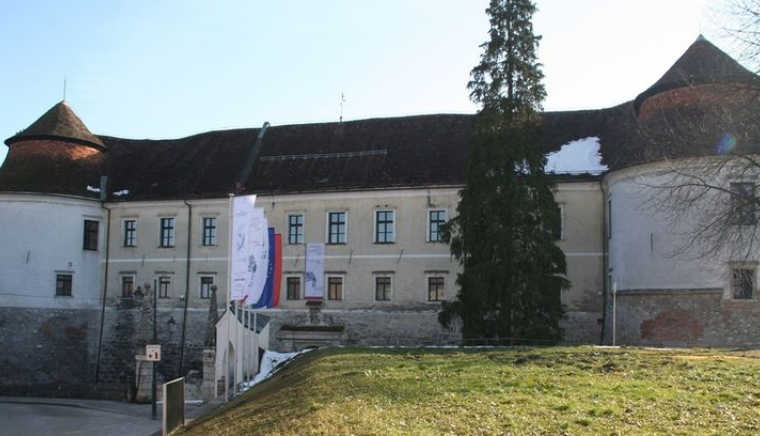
271, 295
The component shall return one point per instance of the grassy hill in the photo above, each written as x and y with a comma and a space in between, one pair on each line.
524, 391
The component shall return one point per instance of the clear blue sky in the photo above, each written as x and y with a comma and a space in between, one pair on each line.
167, 69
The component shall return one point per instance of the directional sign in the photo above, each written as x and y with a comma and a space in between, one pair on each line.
153, 353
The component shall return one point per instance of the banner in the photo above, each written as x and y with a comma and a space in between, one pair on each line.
314, 286
267, 296
249, 250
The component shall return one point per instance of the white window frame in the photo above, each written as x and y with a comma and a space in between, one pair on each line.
376, 276
327, 227
172, 232
124, 232
200, 285
300, 286
444, 276
215, 237
169, 287
429, 222
342, 278
376, 230
121, 284
70, 274
303, 228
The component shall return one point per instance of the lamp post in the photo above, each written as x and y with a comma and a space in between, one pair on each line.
139, 299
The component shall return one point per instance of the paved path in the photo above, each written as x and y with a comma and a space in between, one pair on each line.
67, 417
20, 416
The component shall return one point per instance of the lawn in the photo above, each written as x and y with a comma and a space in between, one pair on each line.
521, 391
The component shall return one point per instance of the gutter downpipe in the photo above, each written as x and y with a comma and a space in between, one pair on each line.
606, 260
187, 288
103, 194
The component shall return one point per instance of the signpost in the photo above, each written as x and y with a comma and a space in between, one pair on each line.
153, 353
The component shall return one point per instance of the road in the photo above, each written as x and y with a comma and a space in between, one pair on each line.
47, 416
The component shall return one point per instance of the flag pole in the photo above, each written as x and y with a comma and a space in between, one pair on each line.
226, 357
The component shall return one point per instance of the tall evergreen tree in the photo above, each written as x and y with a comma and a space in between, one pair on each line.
503, 235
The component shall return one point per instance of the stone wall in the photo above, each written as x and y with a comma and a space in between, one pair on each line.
582, 327
42, 346
48, 352
55, 352
297, 329
685, 318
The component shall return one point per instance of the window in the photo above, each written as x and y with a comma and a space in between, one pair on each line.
206, 283
435, 288
164, 286
385, 227
127, 286
130, 233
743, 203
743, 283
557, 229
334, 288
209, 232
382, 288
336, 228
436, 218
90, 235
167, 232
293, 288
295, 229
63, 285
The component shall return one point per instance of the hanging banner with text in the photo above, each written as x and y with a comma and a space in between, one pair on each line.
249, 251
314, 288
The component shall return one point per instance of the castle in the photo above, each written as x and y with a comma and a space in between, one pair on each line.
86, 220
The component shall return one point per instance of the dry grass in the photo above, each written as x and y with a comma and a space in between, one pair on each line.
538, 391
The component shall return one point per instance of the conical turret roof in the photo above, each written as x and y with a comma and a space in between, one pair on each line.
59, 123
702, 63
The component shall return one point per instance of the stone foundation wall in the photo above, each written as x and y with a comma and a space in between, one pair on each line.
582, 327
685, 318
359, 327
55, 352
47, 347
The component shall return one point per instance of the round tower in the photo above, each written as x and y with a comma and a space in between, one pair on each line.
52, 229
55, 154
702, 77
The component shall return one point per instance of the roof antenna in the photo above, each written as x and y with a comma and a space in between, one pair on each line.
342, 100
64, 88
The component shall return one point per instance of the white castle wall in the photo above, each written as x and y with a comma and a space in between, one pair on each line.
647, 249
41, 236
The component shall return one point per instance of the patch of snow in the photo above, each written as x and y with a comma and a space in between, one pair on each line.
122, 192
91, 189
272, 362
576, 157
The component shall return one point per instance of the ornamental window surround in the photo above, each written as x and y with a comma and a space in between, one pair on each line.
295, 229
337, 227
208, 237
129, 233
166, 233
385, 226
436, 219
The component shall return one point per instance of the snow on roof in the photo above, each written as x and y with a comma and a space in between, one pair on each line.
576, 157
